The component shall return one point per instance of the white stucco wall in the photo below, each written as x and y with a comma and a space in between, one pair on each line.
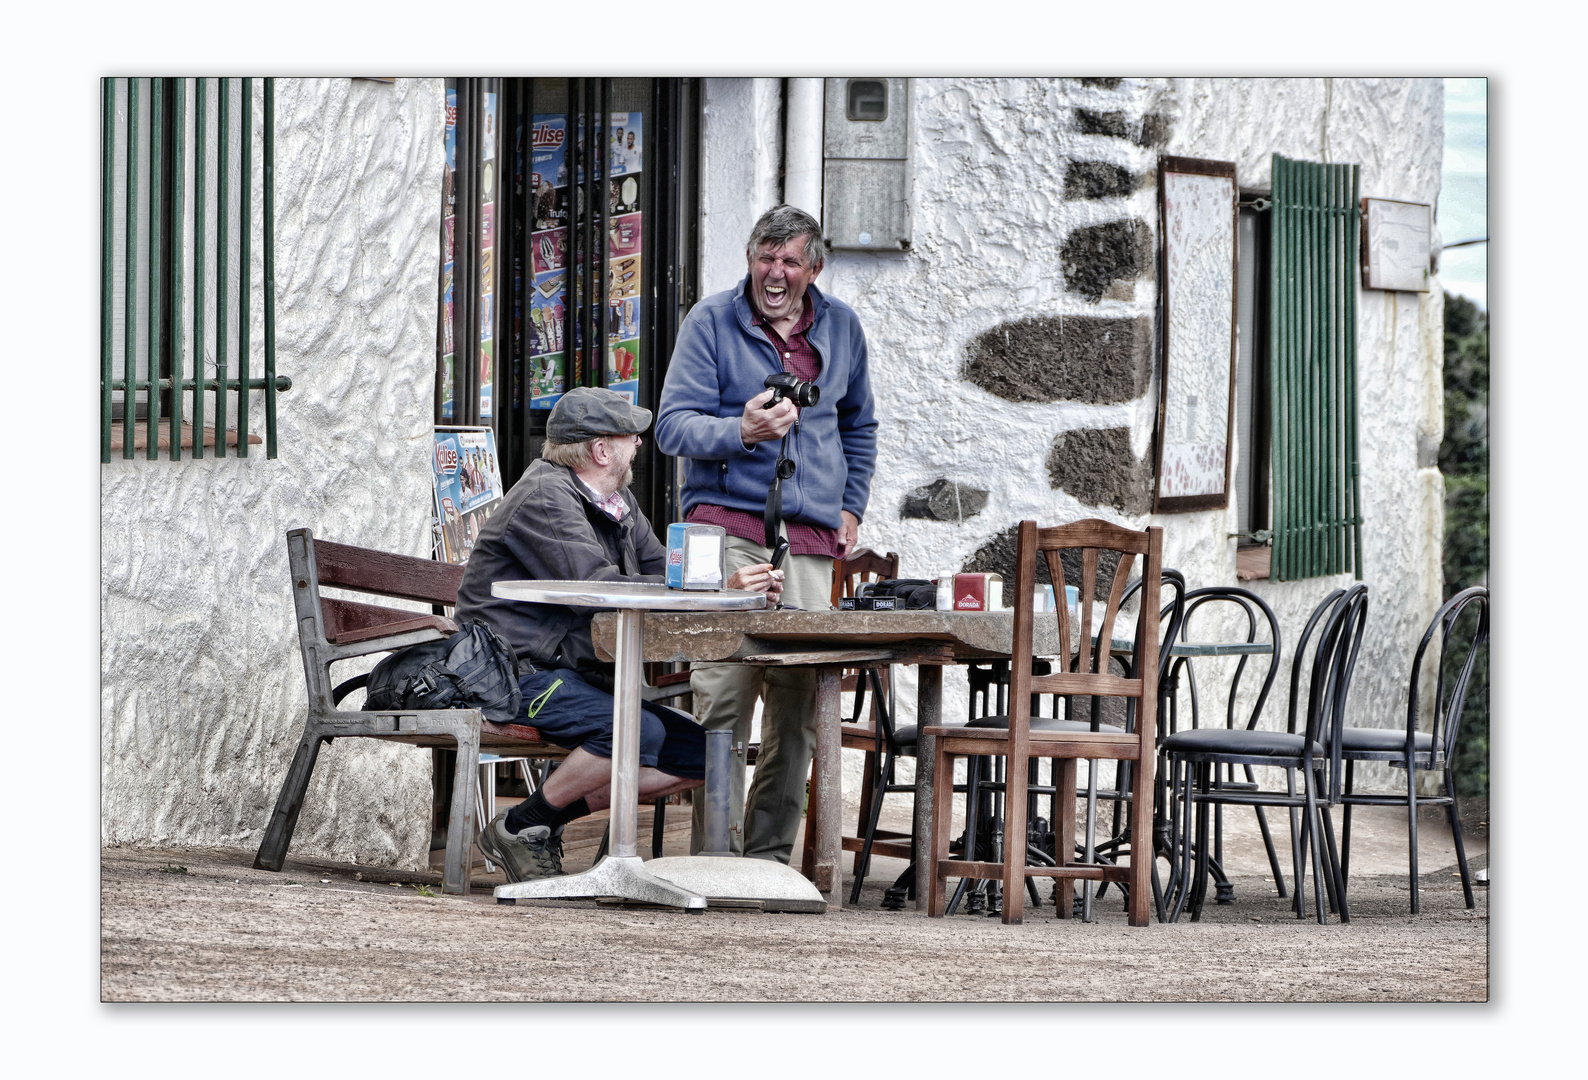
201, 682
988, 160
741, 154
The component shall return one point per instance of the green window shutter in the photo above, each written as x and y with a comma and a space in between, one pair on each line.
1312, 345
160, 259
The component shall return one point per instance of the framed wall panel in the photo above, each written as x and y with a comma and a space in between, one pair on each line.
1196, 404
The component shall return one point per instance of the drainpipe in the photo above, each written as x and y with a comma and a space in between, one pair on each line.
802, 146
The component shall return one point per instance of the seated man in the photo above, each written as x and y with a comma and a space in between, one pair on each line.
570, 517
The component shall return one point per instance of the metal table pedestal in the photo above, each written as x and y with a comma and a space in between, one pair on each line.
622, 873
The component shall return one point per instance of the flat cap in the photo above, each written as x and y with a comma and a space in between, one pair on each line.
588, 412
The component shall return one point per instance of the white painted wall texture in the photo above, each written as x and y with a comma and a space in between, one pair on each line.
740, 159
988, 159
201, 682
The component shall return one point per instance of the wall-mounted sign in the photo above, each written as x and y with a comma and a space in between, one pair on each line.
1197, 201
1395, 244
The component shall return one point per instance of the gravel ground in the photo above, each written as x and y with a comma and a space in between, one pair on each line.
205, 926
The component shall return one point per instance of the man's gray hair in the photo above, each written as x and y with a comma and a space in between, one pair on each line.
571, 455
783, 223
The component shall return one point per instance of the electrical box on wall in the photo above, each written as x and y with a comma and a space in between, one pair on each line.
865, 151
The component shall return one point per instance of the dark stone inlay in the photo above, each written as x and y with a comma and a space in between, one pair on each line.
1081, 358
1102, 123
944, 500
1097, 467
1155, 130
1096, 256
997, 556
1096, 180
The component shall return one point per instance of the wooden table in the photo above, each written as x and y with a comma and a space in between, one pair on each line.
829, 641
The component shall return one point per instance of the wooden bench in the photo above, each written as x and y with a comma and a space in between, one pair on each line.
331, 630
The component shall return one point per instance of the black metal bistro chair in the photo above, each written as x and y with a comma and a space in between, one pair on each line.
1193, 756
1412, 749
1244, 627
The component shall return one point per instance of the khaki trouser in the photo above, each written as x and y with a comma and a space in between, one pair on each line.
725, 696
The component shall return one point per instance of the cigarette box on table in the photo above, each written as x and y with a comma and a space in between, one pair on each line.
978, 592
868, 603
697, 557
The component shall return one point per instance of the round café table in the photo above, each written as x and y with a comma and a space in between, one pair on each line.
622, 873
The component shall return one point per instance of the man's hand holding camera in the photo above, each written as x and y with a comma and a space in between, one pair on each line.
761, 424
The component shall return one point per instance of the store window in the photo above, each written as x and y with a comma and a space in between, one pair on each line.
467, 328
568, 253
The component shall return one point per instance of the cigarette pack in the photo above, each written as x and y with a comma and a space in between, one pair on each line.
868, 603
978, 592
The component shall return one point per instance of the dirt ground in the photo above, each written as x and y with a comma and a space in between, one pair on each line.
205, 926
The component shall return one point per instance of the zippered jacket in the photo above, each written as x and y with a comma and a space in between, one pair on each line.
720, 362
549, 529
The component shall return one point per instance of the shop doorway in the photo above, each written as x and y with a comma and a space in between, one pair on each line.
566, 260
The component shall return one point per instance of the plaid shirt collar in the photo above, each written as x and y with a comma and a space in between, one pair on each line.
611, 505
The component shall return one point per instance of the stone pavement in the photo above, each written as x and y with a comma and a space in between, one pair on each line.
205, 926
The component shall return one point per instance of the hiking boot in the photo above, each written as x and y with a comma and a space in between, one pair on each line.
523, 856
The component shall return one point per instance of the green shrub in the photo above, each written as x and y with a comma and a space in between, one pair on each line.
1464, 461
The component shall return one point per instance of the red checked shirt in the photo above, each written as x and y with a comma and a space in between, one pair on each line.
801, 360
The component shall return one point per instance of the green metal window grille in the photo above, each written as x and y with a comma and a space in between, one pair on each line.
166, 223
1317, 498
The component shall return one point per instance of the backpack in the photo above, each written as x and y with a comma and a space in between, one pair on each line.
472, 669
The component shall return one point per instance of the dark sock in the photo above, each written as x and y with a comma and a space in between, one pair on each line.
535, 810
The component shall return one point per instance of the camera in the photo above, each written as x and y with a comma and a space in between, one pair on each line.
784, 385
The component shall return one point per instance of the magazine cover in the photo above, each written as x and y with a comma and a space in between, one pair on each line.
467, 484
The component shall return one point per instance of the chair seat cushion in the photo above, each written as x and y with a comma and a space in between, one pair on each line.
1045, 723
1383, 740
906, 737
1238, 742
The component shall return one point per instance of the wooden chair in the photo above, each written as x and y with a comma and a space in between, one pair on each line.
331, 630
863, 565
1070, 740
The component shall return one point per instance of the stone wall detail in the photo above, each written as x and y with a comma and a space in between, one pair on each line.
944, 500
1098, 467
1058, 358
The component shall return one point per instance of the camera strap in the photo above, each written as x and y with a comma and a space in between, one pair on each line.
772, 516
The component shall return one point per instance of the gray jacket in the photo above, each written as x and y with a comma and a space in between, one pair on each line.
548, 529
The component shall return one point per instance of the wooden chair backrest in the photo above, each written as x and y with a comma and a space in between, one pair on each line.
861, 566
366, 570
386, 574
1090, 670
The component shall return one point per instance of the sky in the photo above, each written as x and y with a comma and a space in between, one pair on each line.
1463, 212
